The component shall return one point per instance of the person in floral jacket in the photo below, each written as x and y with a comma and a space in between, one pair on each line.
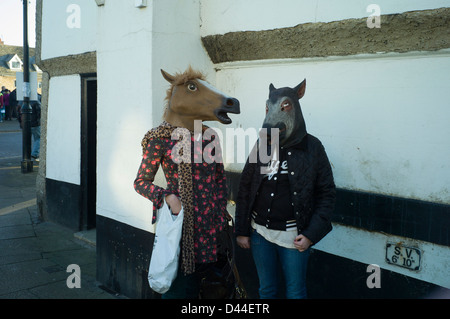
209, 198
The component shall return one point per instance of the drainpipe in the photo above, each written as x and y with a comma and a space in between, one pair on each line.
27, 164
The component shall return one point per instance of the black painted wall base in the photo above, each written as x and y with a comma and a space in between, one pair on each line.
63, 203
335, 277
123, 257
123, 251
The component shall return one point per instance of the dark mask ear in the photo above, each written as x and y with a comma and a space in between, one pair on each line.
271, 87
300, 89
169, 78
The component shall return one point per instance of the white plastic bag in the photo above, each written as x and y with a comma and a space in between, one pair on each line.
166, 250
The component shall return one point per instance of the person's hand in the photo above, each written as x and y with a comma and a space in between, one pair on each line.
302, 243
174, 203
243, 241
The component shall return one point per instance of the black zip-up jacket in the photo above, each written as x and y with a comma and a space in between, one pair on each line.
313, 192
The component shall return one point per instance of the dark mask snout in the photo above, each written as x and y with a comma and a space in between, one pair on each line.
267, 131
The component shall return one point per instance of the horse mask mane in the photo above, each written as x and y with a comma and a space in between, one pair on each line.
283, 111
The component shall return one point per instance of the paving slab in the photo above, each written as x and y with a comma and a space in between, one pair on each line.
35, 254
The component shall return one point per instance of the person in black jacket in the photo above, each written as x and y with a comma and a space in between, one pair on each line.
284, 206
35, 121
13, 103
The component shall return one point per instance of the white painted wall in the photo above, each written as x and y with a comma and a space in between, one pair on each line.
63, 129
68, 27
131, 91
383, 119
219, 17
123, 107
176, 45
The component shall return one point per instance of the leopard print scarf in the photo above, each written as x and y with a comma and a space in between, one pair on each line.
186, 193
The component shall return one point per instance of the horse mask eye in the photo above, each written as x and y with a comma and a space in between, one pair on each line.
286, 106
192, 87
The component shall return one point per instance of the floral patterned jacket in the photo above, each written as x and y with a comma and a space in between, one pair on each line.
209, 185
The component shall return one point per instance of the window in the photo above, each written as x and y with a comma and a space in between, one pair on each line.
15, 65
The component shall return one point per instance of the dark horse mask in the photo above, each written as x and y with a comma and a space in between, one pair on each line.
283, 112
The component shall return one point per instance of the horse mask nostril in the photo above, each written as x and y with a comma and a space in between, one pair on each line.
231, 102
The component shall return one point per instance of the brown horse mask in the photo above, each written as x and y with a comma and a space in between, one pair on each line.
191, 98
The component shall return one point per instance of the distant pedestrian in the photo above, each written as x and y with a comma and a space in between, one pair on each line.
35, 126
13, 103
2, 108
6, 105
36, 129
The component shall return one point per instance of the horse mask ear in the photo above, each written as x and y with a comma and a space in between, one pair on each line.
169, 78
271, 87
300, 89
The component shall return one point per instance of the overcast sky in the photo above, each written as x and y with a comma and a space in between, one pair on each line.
11, 24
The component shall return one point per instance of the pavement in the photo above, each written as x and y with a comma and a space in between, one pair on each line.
36, 255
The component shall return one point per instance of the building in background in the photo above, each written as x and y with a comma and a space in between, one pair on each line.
11, 58
377, 83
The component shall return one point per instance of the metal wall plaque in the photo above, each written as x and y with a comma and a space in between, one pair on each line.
403, 256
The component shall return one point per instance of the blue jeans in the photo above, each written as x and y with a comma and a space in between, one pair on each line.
293, 264
36, 133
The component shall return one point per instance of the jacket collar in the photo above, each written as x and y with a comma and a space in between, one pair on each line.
302, 145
